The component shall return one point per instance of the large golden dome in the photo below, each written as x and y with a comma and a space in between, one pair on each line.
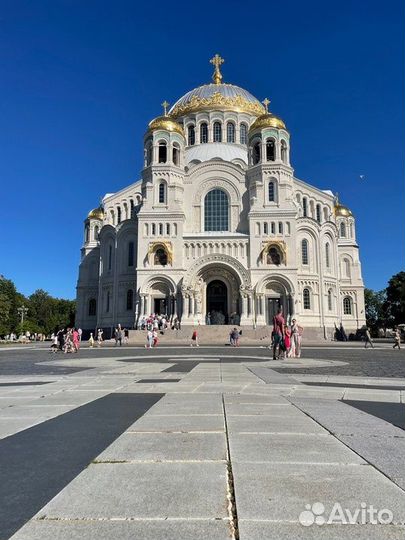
96, 213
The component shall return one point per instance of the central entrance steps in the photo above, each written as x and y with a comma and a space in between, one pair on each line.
218, 335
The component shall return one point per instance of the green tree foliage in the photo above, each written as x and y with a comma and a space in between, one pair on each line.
45, 313
376, 312
395, 303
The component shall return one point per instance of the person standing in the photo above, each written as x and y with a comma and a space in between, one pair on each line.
194, 339
149, 339
99, 337
296, 333
278, 331
287, 342
397, 339
91, 340
367, 339
126, 336
76, 340
80, 332
61, 338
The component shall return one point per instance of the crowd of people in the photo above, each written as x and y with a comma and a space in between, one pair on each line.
66, 340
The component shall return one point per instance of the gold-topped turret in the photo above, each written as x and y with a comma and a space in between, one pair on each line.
340, 210
166, 122
216, 61
267, 119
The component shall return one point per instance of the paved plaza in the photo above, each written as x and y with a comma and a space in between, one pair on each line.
217, 443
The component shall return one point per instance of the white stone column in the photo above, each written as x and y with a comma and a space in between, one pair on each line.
244, 314
260, 319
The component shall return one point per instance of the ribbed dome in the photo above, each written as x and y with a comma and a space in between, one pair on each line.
96, 213
267, 120
342, 211
167, 124
217, 96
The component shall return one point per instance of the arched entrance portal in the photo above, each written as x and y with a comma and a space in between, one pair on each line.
217, 302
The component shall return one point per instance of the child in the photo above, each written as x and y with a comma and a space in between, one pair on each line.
194, 339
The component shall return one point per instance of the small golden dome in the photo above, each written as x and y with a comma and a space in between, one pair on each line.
166, 124
267, 120
342, 211
96, 213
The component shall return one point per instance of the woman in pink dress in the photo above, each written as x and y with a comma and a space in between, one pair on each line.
76, 341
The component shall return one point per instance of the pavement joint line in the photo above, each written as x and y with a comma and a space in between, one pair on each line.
334, 463
149, 461
232, 509
173, 431
336, 436
117, 518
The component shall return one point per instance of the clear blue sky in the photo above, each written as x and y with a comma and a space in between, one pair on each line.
80, 80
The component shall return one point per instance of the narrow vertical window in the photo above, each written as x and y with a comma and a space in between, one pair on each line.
304, 252
191, 135
306, 297
119, 214
270, 150
265, 228
203, 133
256, 153
347, 305
162, 192
305, 207
280, 227
176, 154
153, 229
230, 132
162, 155
131, 253
92, 307
330, 300
318, 213
217, 132
109, 257
271, 192
343, 230
243, 134
168, 229
130, 299
327, 254
107, 306
160, 229
273, 228
283, 151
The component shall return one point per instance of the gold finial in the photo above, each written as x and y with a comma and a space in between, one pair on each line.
266, 102
336, 199
217, 61
165, 104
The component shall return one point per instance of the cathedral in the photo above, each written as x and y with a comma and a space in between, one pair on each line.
219, 229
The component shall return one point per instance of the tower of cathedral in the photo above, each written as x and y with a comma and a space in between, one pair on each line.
219, 224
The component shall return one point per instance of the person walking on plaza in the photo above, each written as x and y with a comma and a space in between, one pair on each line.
149, 339
367, 339
118, 335
61, 338
91, 340
397, 339
99, 337
80, 332
126, 336
278, 332
194, 339
76, 340
296, 333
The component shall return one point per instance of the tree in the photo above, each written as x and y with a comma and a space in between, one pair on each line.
376, 315
395, 302
9, 302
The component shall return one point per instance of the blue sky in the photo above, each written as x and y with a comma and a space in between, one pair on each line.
80, 80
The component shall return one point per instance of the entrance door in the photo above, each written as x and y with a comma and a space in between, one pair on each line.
159, 306
217, 302
273, 305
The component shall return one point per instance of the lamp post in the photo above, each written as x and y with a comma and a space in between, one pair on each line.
22, 311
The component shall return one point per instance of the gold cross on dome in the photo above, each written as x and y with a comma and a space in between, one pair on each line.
216, 61
165, 104
266, 102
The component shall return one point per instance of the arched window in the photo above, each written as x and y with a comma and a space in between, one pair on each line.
109, 257
343, 230
87, 233
270, 150
230, 132
217, 132
280, 227
153, 228
243, 134
306, 298
131, 253
132, 206
327, 254
168, 229
305, 207
160, 229
119, 215
265, 228
92, 307
256, 153
160, 257
95, 233
271, 192
274, 256
216, 209
273, 228
330, 300
304, 252
318, 213
162, 192
176, 154
130, 299
283, 151
204, 132
347, 305
162, 154
191, 135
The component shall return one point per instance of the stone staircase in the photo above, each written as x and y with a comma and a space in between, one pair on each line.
219, 335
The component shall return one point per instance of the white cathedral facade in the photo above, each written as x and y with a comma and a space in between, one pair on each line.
219, 225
